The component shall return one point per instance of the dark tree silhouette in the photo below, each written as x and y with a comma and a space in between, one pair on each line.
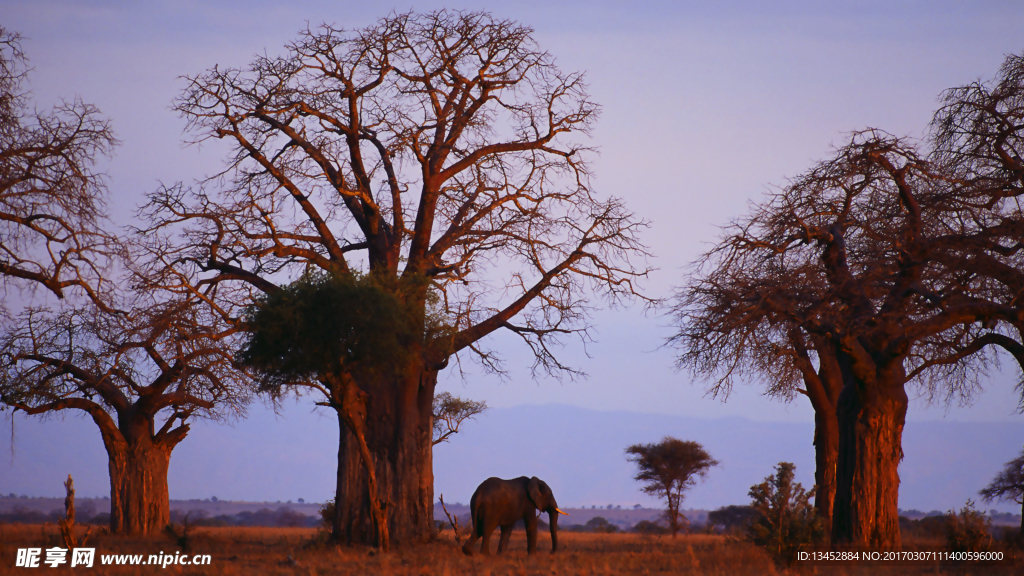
52, 202
668, 469
1008, 485
856, 256
140, 378
450, 412
438, 153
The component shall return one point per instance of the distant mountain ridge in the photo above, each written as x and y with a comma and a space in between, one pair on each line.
579, 452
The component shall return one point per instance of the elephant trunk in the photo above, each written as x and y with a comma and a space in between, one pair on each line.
553, 520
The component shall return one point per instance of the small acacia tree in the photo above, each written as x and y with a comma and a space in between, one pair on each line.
783, 519
669, 468
450, 412
140, 377
52, 202
438, 153
1008, 485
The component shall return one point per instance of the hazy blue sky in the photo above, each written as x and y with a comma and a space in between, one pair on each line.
705, 105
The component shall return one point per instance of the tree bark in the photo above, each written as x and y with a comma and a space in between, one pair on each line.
871, 417
822, 387
825, 400
826, 448
138, 460
139, 500
397, 432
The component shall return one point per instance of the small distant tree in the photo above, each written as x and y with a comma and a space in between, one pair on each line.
1008, 485
668, 469
450, 412
784, 519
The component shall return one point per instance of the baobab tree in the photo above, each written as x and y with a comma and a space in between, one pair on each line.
436, 163
846, 253
141, 377
52, 201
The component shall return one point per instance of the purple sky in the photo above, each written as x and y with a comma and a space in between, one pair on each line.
705, 107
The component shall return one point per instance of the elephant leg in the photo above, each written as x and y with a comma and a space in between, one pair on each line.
467, 548
485, 544
506, 533
531, 534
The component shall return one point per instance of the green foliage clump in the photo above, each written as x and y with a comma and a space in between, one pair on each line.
325, 322
784, 519
968, 531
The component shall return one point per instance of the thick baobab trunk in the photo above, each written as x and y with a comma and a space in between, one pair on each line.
871, 418
138, 460
139, 501
397, 431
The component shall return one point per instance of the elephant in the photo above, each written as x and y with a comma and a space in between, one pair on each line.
498, 502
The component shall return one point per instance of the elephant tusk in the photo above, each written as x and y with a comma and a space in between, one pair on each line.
560, 512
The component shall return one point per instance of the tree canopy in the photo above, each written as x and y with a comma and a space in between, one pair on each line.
669, 468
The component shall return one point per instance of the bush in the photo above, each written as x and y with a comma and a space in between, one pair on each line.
730, 518
649, 528
600, 524
928, 528
327, 515
1008, 536
784, 519
968, 531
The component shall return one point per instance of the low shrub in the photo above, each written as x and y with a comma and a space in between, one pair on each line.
968, 531
784, 519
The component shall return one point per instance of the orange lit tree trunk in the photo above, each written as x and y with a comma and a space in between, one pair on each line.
871, 414
138, 461
397, 432
822, 386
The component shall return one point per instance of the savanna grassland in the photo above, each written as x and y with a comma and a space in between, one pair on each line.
268, 551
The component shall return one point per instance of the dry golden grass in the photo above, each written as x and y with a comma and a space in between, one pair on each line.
271, 551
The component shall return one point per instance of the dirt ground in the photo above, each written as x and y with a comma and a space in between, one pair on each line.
286, 551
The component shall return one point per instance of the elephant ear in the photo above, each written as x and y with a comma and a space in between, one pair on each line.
533, 490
